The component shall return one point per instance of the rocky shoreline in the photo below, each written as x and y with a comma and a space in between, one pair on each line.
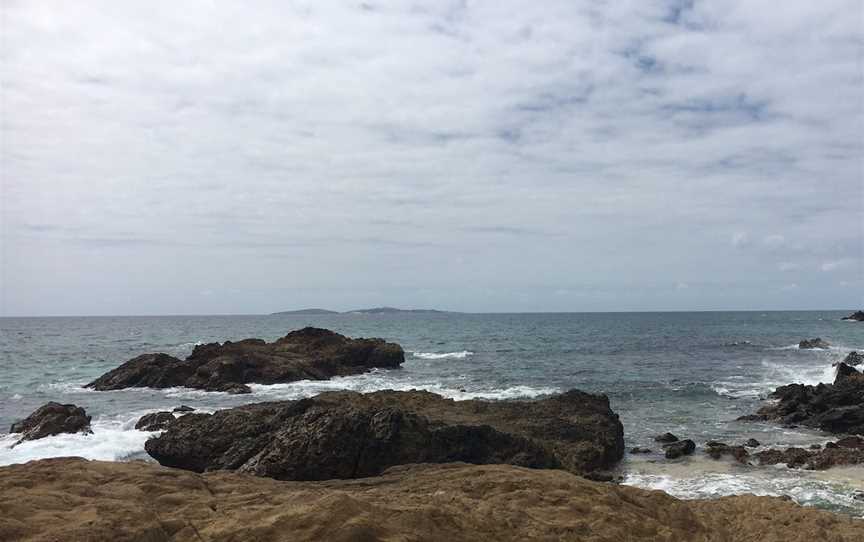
76, 500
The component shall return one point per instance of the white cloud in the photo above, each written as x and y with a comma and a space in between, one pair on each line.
788, 266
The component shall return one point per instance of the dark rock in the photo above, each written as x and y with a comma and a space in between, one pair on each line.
52, 419
183, 408
666, 437
600, 476
752, 443
751, 418
857, 316
679, 448
844, 371
858, 495
349, 435
855, 442
852, 453
815, 446
717, 450
309, 353
638, 450
852, 359
155, 421
808, 344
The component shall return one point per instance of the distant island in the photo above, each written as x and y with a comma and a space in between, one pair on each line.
373, 310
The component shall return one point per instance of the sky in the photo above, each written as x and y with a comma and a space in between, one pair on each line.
249, 157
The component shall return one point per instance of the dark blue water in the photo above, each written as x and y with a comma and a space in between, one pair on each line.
689, 373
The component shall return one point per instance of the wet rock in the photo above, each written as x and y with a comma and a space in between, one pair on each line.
751, 418
679, 448
845, 371
857, 316
846, 451
808, 344
852, 359
52, 419
752, 443
638, 450
349, 435
306, 354
815, 446
155, 421
716, 450
666, 437
183, 408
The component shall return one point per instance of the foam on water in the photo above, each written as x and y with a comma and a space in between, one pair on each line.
446, 355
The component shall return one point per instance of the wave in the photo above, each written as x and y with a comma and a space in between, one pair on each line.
446, 355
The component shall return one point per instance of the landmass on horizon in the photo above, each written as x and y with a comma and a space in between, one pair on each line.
373, 310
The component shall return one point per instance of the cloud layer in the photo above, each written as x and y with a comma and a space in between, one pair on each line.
490, 156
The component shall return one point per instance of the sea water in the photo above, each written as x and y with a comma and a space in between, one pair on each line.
688, 373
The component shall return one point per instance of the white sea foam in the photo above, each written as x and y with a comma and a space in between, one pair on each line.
446, 355
112, 439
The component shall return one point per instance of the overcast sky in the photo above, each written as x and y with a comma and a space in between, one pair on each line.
246, 157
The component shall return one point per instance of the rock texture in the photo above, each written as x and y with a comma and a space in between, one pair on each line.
857, 316
679, 448
350, 435
846, 451
853, 359
836, 408
155, 421
309, 353
807, 344
52, 419
75, 500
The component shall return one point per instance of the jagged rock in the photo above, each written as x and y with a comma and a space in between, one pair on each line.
807, 344
666, 437
155, 421
752, 443
309, 353
183, 408
846, 451
751, 418
679, 448
52, 419
717, 450
844, 371
852, 359
75, 500
349, 435
857, 316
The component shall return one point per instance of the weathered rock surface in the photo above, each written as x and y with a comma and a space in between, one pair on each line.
857, 316
666, 437
836, 408
75, 500
717, 450
183, 409
52, 419
350, 435
853, 359
807, 344
309, 353
680, 448
846, 451
155, 421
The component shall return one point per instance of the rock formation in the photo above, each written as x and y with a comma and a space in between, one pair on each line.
350, 435
155, 421
125, 502
309, 353
52, 419
679, 448
852, 359
856, 316
808, 344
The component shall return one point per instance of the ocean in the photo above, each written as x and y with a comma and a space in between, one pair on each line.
688, 373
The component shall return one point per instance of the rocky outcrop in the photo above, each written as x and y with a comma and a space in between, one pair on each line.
125, 502
717, 450
836, 408
808, 344
852, 359
155, 421
857, 316
679, 448
666, 437
52, 419
350, 435
309, 353
846, 451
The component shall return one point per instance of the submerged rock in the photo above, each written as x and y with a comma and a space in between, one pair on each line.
680, 448
808, 344
856, 316
717, 450
752, 443
183, 409
155, 421
52, 419
666, 437
638, 450
350, 435
846, 451
453, 502
306, 354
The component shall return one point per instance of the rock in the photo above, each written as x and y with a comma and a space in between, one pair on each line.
752, 443
855, 442
680, 448
76, 500
751, 418
858, 495
847, 451
815, 446
52, 419
856, 316
351, 435
666, 437
836, 408
183, 408
844, 371
155, 421
638, 450
808, 344
306, 354
852, 359
717, 450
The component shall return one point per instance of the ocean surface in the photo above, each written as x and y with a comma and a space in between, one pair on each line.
688, 373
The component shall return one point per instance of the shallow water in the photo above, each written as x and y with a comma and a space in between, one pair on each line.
688, 373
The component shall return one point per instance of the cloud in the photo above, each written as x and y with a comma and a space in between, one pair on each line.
401, 147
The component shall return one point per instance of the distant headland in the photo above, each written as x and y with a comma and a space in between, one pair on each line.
373, 310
